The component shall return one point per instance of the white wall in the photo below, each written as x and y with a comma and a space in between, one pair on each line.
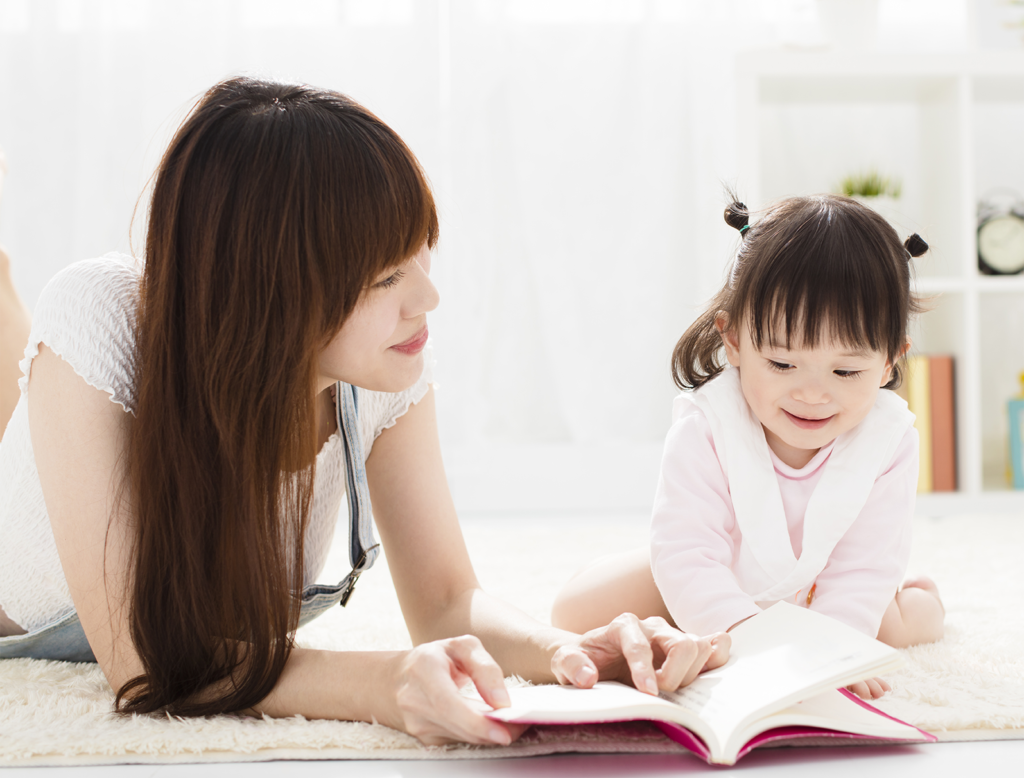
577, 148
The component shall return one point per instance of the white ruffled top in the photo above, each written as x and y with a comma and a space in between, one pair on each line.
86, 315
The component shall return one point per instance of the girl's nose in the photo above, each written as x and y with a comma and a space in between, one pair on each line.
811, 392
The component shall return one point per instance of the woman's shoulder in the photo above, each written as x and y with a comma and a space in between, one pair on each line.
86, 315
91, 290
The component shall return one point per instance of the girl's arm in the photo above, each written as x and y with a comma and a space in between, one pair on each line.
440, 595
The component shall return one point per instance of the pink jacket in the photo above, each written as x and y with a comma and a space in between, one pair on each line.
735, 529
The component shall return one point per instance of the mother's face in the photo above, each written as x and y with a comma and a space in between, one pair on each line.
380, 346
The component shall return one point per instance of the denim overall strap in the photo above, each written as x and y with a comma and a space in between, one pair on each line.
363, 547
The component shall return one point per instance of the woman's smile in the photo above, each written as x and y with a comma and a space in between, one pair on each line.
415, 344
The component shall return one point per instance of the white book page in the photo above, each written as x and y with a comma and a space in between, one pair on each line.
607, 701
778, 657
834, 710
784, 654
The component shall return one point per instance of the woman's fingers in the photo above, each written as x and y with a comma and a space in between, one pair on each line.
650, 653
722, 644
683, 655
472, 658
430, 705
635, 647
572, 667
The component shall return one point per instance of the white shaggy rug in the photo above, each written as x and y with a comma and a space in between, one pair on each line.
968, 686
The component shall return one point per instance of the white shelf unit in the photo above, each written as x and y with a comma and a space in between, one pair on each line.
951, 127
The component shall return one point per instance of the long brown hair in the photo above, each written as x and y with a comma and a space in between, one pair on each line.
274, 206
818, 267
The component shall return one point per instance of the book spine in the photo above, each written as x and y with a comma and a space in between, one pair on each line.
919, 401
943, 413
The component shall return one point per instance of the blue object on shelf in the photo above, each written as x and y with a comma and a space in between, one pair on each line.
1016, 410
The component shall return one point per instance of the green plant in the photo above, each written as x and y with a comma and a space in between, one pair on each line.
870, 184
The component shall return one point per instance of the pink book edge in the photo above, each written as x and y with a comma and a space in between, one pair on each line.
688, 740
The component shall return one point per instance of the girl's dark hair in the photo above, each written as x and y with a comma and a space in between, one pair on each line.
814, 268
274, 206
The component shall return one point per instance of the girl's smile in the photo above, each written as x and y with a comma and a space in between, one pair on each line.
808, 424
805, 397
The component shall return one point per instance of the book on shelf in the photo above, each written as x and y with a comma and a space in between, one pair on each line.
928, 388
783, 683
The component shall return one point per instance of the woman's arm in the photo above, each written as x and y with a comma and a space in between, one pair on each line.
77, 436
440, 595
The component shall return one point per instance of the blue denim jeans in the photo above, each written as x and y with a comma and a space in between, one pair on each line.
64, 639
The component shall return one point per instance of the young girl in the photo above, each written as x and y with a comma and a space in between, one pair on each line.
188, 428
790, 470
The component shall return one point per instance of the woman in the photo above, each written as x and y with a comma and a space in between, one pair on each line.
186, 431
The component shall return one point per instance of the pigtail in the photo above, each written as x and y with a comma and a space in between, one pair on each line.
697, 357
915, 245
737, 216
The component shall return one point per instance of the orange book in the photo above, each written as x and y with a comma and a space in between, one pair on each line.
943, 413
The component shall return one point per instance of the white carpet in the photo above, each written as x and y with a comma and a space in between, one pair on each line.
968, 686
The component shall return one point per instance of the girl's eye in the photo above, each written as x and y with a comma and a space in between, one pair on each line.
391, 280
848, 373
780, 366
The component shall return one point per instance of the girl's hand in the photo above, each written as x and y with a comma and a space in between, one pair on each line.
426, 703
871, 689
649, 654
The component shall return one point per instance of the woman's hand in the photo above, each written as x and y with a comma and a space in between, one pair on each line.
425, 699
649, 654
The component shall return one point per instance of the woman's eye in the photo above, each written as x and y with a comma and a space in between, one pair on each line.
391, 280
848, 373
780, 366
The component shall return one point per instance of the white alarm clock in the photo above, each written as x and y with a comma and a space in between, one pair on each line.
1000, 237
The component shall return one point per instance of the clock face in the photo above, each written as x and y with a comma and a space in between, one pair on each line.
1001, 244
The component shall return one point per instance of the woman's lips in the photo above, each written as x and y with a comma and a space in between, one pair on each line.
807, 424
415, 344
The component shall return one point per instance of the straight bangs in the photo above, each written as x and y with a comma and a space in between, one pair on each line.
827, 277
387, 211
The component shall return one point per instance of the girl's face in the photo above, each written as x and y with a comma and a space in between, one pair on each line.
805, 397
380, 346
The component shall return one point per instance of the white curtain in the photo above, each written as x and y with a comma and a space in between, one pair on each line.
578, 150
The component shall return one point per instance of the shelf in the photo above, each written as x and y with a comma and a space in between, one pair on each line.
1000, 284
949, 125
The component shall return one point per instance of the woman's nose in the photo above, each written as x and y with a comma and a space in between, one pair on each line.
423, 296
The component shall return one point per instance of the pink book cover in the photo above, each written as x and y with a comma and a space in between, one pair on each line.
687, 739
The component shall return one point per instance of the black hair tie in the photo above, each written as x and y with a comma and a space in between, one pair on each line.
915, 245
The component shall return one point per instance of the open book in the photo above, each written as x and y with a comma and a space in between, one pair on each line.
780, 683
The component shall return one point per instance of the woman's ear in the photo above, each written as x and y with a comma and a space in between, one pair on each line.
730, 338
